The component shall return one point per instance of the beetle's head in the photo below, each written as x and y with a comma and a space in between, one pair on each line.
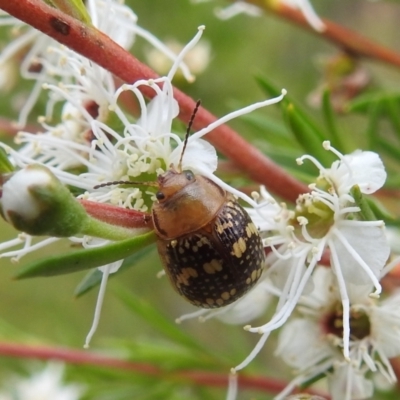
171, 182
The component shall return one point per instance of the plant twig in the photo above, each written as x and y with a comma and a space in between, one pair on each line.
348, 40
395, 363
96, 46
119, 216
84, 357
9, 127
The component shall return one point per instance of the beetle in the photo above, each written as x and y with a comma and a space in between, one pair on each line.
209, 247
211, 250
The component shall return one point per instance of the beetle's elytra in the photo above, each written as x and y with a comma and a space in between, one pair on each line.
211, 250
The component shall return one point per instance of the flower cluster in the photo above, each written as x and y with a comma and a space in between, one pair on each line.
325, 262
312, 341
48, 62
98, 142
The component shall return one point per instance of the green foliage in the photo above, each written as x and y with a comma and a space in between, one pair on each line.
81, 260
74, 8
93, 278
380, 107
331, 122
5, 164
366, 212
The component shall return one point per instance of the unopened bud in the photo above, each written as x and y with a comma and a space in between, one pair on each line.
36, 202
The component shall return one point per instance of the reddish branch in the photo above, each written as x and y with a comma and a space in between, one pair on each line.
117, 215
9, 127
349, 41
94, 45
395, 362
80, 357
391, 281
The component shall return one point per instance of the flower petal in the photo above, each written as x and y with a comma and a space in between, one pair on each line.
348, 383
301, 344
200, 156
369, 243
161, 110
385, 323
367, 171
250, 307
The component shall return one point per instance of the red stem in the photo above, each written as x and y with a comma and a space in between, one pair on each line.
117, 215
96, 46
395, 362
346, 39
81, 357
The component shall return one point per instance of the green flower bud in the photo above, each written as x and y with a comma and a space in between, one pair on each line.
36, 202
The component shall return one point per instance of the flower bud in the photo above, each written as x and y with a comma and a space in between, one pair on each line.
36, 202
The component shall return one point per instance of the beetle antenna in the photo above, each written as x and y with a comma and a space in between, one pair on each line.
196, 108
124, 183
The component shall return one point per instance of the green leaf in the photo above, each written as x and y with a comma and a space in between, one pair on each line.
269, 88
363, 103
313, 380
390, 148
306, 134
375, 114
93, 278
365, 210
5, 164
157, 320
14, 334
267, 130
393, 110
87, 258
74, 8
380, 212
330, 122
90, 281
165, 354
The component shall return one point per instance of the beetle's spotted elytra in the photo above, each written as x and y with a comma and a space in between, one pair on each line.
209, 247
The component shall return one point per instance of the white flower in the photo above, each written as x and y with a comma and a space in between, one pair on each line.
197, 59
8, 76
238, 7
347, 382
45, 385
46, 58
248, 308
306, 8
146, 146
312, 343
326, 221
251, 306
351, 170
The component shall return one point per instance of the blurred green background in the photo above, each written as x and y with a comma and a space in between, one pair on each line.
241, 48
